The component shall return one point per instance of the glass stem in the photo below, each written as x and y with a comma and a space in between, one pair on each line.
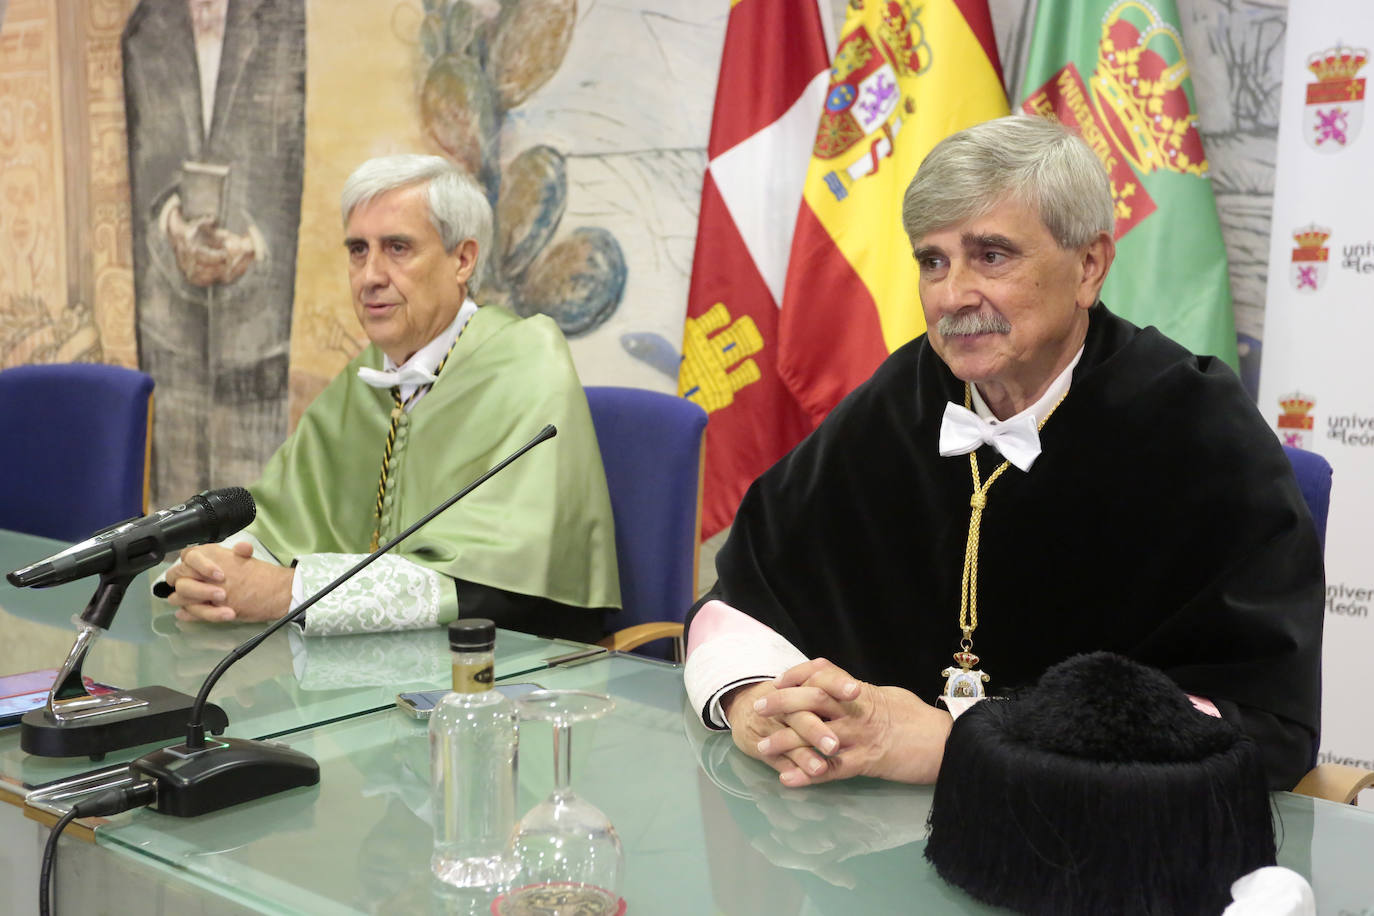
562, 756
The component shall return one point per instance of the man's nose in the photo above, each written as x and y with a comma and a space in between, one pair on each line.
373, 273
960, 288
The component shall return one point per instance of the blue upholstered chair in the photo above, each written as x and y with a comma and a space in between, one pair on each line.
1314, 479
651, 446
76, 447
1331, 781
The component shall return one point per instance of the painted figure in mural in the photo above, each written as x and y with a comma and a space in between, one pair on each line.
215, 97
19, 197
444, 391
1126, 496
482, 61
35, 325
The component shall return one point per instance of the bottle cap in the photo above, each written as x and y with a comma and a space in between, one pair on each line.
473, 634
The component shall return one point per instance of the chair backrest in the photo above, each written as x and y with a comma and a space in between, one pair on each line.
651, 447
76, 447
1314, 480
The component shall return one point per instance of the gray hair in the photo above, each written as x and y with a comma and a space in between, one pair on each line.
457, 207
1031, 159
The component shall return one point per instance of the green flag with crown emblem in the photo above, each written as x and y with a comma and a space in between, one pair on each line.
1116, 72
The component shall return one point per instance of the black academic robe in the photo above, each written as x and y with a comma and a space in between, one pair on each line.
1161, 521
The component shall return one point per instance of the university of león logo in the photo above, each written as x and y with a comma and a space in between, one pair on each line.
1335, 102
1295, 420
1310, 258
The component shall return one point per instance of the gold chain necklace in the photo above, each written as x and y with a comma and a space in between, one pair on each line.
966, 680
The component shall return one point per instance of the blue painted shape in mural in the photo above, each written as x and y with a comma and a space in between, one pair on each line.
578, 282
534, 192
654, 349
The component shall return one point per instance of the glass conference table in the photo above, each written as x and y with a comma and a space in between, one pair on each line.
705, 829
288, 683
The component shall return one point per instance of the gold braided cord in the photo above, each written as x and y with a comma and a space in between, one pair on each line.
968, 589
397, 409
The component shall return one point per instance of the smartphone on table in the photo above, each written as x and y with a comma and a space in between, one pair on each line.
20, 693
418, 704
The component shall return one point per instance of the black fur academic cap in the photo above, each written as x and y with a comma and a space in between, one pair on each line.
1100, 790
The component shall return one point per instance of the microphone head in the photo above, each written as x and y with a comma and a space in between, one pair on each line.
230, 509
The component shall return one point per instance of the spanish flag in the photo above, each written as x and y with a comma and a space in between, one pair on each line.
905, 75
772, 84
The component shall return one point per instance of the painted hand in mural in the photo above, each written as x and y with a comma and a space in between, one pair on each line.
481, 63
206, 254
222, 585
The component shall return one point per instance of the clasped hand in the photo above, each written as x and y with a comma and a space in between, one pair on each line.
223, 585
816, 723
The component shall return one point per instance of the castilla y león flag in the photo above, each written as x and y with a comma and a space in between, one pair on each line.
769, 95
905, 75
1115, 71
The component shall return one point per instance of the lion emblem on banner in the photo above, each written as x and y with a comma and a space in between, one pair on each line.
1334, 111
1310, 258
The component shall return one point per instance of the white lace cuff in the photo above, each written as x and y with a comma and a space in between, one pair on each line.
391, 594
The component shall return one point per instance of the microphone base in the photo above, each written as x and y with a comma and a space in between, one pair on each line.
224, 773
162, 715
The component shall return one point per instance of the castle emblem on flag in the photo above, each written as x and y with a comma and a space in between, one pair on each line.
715, 358
1310, 258
1335, 102
1295, 420
864, 107
1138, 118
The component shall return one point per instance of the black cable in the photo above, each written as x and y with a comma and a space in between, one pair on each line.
49, 855
111, 801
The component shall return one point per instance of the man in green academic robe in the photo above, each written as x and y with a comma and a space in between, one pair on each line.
445, 390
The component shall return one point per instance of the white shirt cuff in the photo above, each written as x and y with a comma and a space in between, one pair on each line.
730, 661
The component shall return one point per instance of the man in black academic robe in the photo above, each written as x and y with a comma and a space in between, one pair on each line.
1159, 520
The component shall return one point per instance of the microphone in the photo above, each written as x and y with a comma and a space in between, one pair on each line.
73, 722
201, 776
132, 546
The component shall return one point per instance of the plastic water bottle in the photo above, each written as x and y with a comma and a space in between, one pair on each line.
473, 759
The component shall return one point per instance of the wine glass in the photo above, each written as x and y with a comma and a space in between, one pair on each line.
568, 853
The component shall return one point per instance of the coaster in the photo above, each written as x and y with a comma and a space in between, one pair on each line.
558, 900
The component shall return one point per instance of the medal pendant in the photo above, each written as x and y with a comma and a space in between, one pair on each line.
966, 681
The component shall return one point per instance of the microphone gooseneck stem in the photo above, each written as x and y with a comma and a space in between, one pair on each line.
195, 730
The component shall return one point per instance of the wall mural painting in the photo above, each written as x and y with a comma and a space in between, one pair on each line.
480, 63
215, 103
592, 160
35, 323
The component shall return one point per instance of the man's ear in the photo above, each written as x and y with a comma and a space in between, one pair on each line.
1095, 260
465, 260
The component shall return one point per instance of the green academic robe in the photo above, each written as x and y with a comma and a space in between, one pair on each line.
542, 527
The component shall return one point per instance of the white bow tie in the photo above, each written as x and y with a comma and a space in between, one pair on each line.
962, 431
406, 375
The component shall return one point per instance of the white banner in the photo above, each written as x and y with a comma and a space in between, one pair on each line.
1317, 373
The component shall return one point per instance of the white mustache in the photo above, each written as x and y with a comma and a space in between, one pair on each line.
966, 324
